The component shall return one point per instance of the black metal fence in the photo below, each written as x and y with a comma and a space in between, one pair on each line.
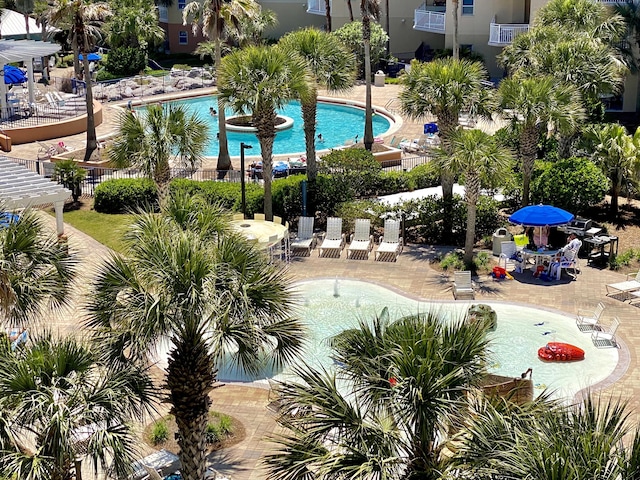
97, 175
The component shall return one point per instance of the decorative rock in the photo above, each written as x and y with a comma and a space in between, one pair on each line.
482, 312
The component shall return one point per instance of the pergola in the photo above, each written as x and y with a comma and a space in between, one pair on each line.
22, 188
23, 51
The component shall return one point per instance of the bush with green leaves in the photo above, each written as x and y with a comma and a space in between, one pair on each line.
286, 195
126, 61
159, 432
226, 194
125, 195
350, 211
423, 176
219, 428
355, 171
350, 34
573, 184
393, 182
70, 175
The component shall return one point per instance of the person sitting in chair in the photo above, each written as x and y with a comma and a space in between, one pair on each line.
566, 256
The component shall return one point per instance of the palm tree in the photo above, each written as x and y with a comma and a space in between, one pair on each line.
370, 9
538, 103
214, 17
251, 29
259, 81
455, 14
629, 10
333, 68
60, 403
26, 7
36, 271
155, 140
530, 441
350, 8
618, 155
187, 281
444, 88
327, 9
480, 159
83, 19
401, 387
134, 24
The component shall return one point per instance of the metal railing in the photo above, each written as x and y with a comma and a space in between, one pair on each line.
23, 114
429, 21
501, 34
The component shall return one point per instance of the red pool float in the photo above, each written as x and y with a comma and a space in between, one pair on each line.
560, 352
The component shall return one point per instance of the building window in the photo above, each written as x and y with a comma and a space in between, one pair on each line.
183, 38
467, 7
182, 4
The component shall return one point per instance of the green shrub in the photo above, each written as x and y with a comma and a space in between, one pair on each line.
126, 61
286, 195
104, 76
423, 176
616, 262
354, 171
125, 195
66, 61
70, 175
573, 184
227, 194
159, 432
393, 182
349, 211
452, 261
219, 428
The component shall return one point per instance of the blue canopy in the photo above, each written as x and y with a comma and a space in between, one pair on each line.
7, 218
92, 57
541, 215
13, 75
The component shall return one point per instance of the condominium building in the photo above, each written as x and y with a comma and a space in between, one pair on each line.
415, 29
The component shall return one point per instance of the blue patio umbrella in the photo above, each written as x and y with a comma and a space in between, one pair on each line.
92, 57
7, 218
13, 75
541, 215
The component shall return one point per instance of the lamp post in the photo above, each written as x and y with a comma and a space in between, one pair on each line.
243, 146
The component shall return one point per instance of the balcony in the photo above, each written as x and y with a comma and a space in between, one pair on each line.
429, 18
318, 7
611, 2
502, 34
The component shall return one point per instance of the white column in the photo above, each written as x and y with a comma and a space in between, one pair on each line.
3, 92
30, 83
59, 208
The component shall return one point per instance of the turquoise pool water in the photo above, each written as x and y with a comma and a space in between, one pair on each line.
514, 344
336, 123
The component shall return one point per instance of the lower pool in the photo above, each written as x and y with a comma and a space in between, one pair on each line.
329, 306
336, 122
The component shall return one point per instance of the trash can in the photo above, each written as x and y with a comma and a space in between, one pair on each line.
499, 236
378, 79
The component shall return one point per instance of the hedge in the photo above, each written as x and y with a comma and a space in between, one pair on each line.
125, 195
227, 194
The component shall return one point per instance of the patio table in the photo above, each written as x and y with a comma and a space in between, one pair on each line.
540, 256
266, 234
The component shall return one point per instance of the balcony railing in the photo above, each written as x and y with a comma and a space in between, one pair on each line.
611, 2
318, 7
502, 34
428, 20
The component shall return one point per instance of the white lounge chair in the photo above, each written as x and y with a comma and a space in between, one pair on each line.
305, 239
606, 336
462, 285
624, 287
334, 239
362, 240
588, 320
391, 245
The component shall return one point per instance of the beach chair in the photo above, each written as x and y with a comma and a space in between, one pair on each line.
507, 252
626, 286
588, 320
362, 240
305, 239
334, 239
606, 336
391, 245
462, 285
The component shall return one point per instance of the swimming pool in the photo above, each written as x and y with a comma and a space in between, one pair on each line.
337, 124
514, 345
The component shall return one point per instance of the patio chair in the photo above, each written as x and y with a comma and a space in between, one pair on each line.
588, 320
305, 239
462, 285
626, 286
334, 239
606, 336
259, 216
238, 216
391, 245
362, 240
507, 252
568, 260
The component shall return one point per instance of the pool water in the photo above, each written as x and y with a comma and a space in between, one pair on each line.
336, 123
513, 346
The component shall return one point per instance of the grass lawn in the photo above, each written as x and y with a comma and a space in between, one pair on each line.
107, 229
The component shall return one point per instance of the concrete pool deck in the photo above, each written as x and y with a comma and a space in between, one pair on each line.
413, 274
